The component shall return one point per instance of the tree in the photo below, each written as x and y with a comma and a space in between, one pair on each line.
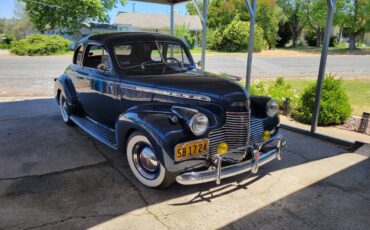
293, 16
267, 17
316, 13
67, 14
354, 15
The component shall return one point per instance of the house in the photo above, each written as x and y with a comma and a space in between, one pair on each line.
126, 21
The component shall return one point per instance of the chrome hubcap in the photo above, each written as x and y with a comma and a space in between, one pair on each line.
145, 161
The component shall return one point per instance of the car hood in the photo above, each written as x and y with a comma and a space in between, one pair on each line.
209, 85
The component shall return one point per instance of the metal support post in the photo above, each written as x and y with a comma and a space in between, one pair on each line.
324, 55
203, 18
172, 20
252, 12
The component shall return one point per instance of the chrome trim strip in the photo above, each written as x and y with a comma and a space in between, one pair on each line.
166, 92
191, 178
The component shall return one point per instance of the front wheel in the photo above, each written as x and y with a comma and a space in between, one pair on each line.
144, 164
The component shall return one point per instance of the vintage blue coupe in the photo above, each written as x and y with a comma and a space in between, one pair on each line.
140, 93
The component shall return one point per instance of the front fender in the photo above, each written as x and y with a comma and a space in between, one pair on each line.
163, 134
66, 88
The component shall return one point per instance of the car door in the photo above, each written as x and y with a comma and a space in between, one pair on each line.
98, 84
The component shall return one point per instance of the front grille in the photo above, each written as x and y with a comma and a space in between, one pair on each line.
234, 132
256, 131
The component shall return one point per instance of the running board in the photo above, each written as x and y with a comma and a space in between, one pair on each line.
100, 132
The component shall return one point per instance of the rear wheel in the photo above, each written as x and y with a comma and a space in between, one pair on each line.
144, 164
64, 110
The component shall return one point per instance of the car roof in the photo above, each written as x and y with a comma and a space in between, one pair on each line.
119, 37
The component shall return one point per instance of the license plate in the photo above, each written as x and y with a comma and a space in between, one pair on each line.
191, 149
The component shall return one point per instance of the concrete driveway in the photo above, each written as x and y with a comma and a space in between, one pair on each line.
53, 176
32, 76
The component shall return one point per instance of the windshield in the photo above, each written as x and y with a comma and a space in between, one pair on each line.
152, 58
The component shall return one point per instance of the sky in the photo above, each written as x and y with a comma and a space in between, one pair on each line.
7, 8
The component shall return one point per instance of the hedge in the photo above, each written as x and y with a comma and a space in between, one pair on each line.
40, 44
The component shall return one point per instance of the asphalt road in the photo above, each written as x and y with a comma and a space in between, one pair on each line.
54, 176
32, 76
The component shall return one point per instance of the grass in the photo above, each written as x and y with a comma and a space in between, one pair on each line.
358, 91
4, 46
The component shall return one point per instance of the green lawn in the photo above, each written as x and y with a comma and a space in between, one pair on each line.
358, 92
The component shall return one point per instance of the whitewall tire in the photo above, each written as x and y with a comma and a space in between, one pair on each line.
144, 165
64, 110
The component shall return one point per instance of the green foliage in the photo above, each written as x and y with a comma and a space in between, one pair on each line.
293, 17
235, 36
184, 33
354, 16
267, 17
40, 44
4, 46
51, 14
334, 103
310, 37
7, 38
258, 89
281, 90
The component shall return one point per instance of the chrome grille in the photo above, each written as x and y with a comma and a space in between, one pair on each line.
256, 131
234, 132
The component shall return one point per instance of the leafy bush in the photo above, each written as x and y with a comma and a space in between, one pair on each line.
183, 32
334, 103
7, 38
280, 90
40, 44
235, 37
258, 89
310, 38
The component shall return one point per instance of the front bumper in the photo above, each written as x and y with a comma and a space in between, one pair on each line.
217, 173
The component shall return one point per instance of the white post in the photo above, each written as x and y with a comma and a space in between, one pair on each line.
172, 20
252, 12
204, 35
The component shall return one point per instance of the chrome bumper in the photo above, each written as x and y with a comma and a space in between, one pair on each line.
218, 173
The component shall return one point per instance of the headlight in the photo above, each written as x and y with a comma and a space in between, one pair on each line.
272, 108
198, 124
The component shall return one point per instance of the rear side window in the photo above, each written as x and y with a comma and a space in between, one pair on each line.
97, 57
78, 55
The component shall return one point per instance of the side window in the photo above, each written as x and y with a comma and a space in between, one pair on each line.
78, 55
98, 58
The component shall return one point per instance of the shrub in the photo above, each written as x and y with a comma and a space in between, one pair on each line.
7, 38
280, 90
310, 38
183, 33
334, 104
258, 89
234, 37
40, 44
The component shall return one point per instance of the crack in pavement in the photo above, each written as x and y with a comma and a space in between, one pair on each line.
56, 172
